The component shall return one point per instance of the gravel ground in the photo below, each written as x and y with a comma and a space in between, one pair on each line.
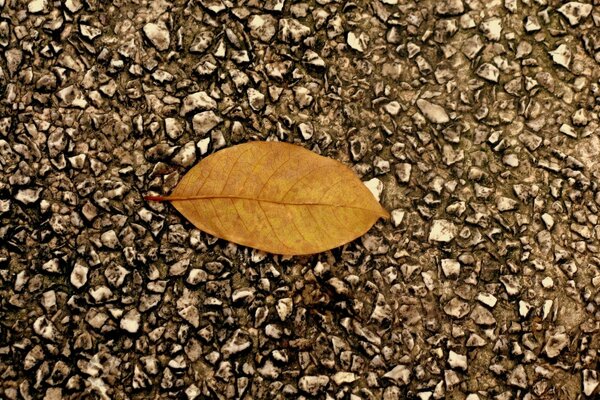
476, 121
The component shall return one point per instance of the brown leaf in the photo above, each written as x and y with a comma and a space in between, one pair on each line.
276, 197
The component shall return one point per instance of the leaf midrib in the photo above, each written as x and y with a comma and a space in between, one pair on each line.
188, 198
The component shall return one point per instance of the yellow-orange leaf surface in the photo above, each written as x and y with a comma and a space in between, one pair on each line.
276, 197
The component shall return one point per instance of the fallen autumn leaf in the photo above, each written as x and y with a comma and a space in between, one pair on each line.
276, 197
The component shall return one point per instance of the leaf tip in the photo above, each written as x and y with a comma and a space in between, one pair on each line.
385, 214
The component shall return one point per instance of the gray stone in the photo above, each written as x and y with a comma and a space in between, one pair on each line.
174, 128
561, 56
433, 112
202, 42
37, 6
46, 329
358, 42
52, 266
403, 171
481, 316
312, 59
456, 360
556, 344
284, 308
158, 35
472, 46
205, 122
492, 28
449, 7
451, 268
237, 343
400, 375
72, 96
342, 377
457, 308
442, 231
262, 27
130, 321
191, 315
28, 196
590, 381
110, 239
199, 101
292, 31
489, 72
306, 130
518, 377
256, 99
186, 157
575, 11
79, 275
14, 58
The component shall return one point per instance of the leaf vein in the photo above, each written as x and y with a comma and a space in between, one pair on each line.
212, 168
239, 215
218, 218
329, 189
317, 221
254, 168
342, 222
297, 181
296, 226
232, 167
271, 225
272, 174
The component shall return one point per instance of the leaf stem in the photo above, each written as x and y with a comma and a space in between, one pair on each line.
156, 198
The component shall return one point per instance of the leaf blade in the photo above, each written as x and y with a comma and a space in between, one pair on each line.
276, 197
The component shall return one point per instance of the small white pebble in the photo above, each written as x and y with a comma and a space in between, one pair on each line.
548, 283
487, 299
450, 267
375, 186
397, 217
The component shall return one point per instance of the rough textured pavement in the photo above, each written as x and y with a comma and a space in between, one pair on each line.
477, 121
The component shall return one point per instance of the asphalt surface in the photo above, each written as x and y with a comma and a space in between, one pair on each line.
476, 122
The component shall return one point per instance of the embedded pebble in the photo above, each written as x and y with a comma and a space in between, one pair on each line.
186, 157
575, 11
456, 360
79, 275
433, 112
28, 196
518, 377
358, 42
375, 186
205, 121
158, 34
262, 27
489, 72
561, 56
130, 321
400, 375
199, 101
481, 316
442, 231
590, 381
555, 344
37, 6
109, 239
451, 268
313, 384
397, 217
403, 171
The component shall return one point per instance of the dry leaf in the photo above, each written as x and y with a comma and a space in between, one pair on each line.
276, 197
